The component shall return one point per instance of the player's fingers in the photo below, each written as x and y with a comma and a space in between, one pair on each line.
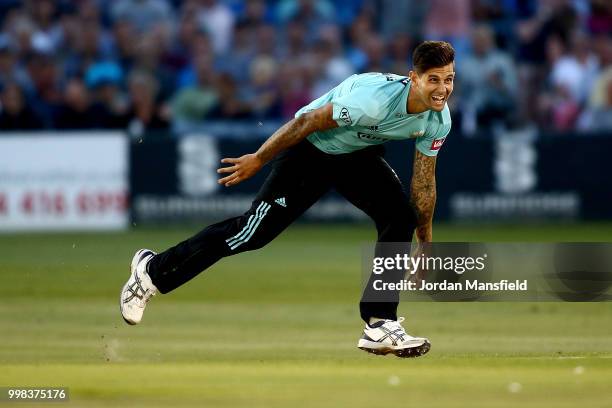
230, 160
229, 169
227, 178
233, 181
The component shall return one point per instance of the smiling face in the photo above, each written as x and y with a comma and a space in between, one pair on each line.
431, 89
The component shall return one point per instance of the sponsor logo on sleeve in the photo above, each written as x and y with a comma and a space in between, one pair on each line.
345, 117
437, 143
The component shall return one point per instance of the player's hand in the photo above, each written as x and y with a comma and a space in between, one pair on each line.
240, 169
421, 249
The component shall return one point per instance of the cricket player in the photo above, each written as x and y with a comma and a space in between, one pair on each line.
333, 142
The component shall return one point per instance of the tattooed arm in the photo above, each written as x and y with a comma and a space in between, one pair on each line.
423, 194
286, 136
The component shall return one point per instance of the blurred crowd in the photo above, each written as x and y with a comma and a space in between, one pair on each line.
163, 64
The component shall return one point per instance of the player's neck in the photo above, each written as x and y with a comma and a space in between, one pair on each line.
414, 105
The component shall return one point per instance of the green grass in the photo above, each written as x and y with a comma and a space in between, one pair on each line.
278, 328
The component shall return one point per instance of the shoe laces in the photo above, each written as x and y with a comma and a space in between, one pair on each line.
395, 324
138, 292
147, 296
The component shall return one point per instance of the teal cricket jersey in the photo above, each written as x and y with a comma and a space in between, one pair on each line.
370, 109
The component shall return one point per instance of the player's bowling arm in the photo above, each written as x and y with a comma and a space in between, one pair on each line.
292, 132
296, 130
423, 194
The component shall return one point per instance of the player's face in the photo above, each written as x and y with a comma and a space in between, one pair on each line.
435, 85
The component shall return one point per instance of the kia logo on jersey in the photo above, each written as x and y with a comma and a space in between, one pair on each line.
437, 143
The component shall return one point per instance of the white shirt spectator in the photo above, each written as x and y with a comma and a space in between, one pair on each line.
218, 21
576, 77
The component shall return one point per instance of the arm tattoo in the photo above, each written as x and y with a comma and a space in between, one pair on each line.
287, 135
295, 130
423, 193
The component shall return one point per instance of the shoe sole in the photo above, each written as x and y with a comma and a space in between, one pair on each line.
407, 352
137, 257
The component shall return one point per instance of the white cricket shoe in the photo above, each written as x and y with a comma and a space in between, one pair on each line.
138, 289
388, 336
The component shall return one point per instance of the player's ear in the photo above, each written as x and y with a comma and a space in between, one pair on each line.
413, 77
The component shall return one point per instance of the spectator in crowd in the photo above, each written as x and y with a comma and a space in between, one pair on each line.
218, 21
75, 111
577, 69
45, 93
269, 58
68, 26
400, 48
201, 47
93, 44
124, 46
573, 68
402, 17
345, 11
311, 13
145, 15
375, 49
359, 33
104, 79
294, 91
599, 20
564, 109
262, 92
194, 102
254, 16
231, 104
598, 118
47, 29
450, 21
91, 11
241, 53
331, 67
488, 83
15, 114
603, 47
176, 56
294, 41
267, 39
20, 29
552, 18
144, 112
10, 71
147, 57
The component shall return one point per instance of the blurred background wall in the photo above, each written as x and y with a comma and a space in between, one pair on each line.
189, 82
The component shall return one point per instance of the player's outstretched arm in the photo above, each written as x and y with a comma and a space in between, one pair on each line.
423, 194
292, 132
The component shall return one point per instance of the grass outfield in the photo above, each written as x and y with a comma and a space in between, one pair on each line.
278, 328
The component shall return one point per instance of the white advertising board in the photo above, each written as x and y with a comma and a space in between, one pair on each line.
63, 181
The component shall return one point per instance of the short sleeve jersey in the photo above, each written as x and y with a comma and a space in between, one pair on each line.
370, 109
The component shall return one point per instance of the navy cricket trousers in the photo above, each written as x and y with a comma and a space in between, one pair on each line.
299, 177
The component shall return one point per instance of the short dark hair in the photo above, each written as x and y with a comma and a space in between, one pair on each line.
432, 54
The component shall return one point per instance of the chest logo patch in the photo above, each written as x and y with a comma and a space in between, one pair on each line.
345, 117
437, 143
418, 133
